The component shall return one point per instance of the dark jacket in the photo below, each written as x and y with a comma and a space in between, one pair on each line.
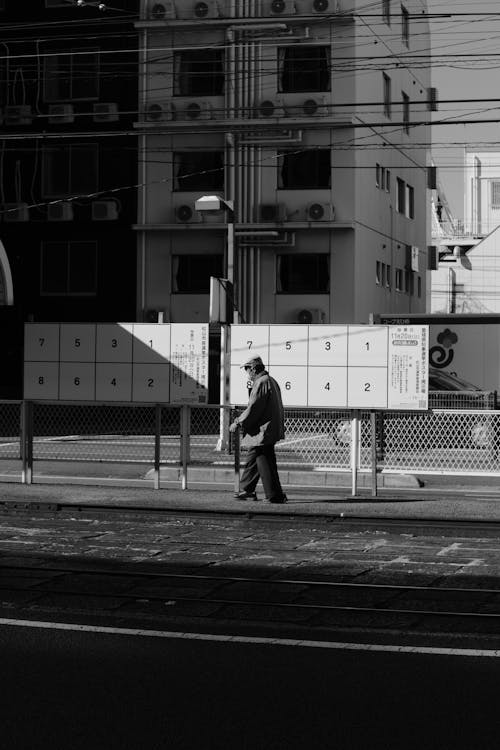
263, 421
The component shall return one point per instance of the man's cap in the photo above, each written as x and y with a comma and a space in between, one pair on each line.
252, 362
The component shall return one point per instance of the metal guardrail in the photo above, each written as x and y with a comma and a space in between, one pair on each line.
443, 441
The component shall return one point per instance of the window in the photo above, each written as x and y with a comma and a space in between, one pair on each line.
407, 277
400, 196
303, 273
378, 176
495, 194
405, 26
304, 68
419, 286
387, 95
388, 276
399, 279
69, 170
199, 72
304, 169
68, 268
406, 112
191, 273
71, 75
387, 181
410, 202
386, 11
378, 272
199, 170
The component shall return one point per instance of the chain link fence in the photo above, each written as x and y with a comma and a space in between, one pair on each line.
440, 441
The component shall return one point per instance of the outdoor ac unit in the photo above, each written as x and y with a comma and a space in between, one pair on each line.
206, 9
61, 114
15, 212
196, 110
315, 107
62, 211
325, 6
105, 112
104, 210
432, 99
185, 214
18, 114
313, 315
283, 8
320, 212
157, 112
272, 212
161, 11
271, 108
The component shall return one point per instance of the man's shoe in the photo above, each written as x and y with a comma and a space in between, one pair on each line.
279, 500
244, 495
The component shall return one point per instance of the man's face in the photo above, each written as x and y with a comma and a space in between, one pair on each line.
250, 373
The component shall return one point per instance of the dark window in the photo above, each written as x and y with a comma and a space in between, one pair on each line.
410, 202
303, 274
199, 72
405, 26
400, 196
304, 169
199, 170
191, 273
387, 95
378, 175
72, 75
304, 68
68, 268
406, 112
67, 170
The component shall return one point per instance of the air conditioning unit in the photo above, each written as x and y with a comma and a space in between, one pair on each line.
18, 114
185, 214
155, 316
271, 108
195, 110
15, 212
158, 112
106, 210
206, 9
106, 112
315, 107
283, 8
62, 211
325, 6
272, 212
308, 316
432, 99
320, 212
161, 11
61, 114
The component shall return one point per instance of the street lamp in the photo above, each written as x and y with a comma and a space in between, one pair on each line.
216, 203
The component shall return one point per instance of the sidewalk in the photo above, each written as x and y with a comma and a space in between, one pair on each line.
442, 498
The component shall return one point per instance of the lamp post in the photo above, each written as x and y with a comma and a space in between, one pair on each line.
216, 203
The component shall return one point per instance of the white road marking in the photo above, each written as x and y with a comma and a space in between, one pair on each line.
252, 640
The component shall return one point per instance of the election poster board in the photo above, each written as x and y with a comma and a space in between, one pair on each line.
336, 366
138, 362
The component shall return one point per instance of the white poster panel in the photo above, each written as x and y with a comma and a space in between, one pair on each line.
77, 342
327, 386
292, 382
151, 343
151, 382
367, 387
248, 341
41, 342
240, 386
367, 346
288, 345
113, 381
327, 346
77, 381
189, 358
408, 367
41, 380
114, 342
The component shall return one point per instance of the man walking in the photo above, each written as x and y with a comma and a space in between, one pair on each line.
262, 424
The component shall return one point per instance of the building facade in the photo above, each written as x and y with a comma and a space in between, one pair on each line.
302, 112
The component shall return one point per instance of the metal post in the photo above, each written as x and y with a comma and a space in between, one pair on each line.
225, 334
354, 451
27, 442
185, 424
237, 439
374, 452
157, 446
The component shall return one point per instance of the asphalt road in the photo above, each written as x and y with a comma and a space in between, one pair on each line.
69, 690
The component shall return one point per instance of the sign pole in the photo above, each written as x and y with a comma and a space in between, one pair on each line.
354, 451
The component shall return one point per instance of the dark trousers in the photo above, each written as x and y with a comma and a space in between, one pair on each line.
261, 464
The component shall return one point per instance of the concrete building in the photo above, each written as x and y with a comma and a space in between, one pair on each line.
303, 113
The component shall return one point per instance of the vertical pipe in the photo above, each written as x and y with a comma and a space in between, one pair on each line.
157, 446
27, 442
185, 424
373, 431
236, 447
354, 451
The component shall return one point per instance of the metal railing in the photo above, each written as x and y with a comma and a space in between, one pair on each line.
151, 437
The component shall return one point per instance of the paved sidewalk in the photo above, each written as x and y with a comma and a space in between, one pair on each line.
442, 498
